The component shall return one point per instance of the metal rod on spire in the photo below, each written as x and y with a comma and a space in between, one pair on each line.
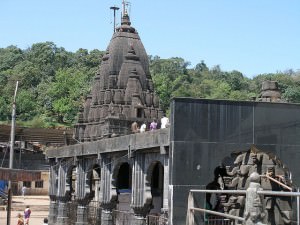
124, 4
114, 8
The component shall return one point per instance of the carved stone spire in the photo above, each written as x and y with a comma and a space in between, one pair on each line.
122, 90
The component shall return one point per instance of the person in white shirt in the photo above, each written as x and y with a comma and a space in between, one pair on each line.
164, 122
23, 191
143, 128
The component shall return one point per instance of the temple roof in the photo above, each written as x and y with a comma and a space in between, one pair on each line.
122, 91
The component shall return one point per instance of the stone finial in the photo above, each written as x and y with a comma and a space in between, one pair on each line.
270, 92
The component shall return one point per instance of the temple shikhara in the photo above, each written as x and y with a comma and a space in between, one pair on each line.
114, 176
122, 91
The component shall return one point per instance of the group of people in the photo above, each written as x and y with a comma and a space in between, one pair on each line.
153, 125
25, 220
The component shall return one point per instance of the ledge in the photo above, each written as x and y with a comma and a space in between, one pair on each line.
149, 139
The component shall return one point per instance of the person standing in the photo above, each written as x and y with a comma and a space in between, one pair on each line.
27, 213
153, 125
164, 122
20, 219
134, 127
143, 127
23, 191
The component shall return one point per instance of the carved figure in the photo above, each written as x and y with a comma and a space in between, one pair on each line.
277, 210
254, 210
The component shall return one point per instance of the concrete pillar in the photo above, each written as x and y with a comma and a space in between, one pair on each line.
52, 212
62, 216
82, 215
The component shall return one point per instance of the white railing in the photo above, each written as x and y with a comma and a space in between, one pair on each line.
190, 219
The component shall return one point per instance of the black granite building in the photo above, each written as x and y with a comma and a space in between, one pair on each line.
145, 178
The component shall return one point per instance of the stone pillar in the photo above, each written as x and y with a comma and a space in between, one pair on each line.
166, 185
62, 216
53, 209
82, 215
108, 194
53, 191
138, 220
82, 191
106, 217
141, 193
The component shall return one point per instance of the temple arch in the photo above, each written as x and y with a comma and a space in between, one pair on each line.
155, 178
122, 181
71, 182
93, 179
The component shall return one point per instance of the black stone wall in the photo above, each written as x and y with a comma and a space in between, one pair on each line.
204, 132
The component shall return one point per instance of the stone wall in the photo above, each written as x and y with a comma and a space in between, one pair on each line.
206, 132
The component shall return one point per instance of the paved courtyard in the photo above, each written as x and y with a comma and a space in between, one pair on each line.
39, 206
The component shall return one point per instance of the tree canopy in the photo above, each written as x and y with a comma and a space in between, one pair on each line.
53, 82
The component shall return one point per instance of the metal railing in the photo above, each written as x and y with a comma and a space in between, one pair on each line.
126, 218
222, 217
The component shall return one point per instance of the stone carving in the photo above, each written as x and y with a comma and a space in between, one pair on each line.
254, 209
270, 92
238, 176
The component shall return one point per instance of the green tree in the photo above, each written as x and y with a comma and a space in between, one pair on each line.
63, 94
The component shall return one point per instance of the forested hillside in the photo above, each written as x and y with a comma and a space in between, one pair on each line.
53, 82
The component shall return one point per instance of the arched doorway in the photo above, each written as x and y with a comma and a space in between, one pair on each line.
71, 187
71, 182
94, 181
157, 187
123, 186
94, 209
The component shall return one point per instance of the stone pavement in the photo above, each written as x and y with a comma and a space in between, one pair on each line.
39, 206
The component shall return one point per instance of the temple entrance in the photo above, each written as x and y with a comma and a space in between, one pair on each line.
157, 185
124, 178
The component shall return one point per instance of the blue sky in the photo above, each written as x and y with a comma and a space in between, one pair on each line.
254, 36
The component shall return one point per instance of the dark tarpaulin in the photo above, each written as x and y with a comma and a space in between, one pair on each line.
19, 175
